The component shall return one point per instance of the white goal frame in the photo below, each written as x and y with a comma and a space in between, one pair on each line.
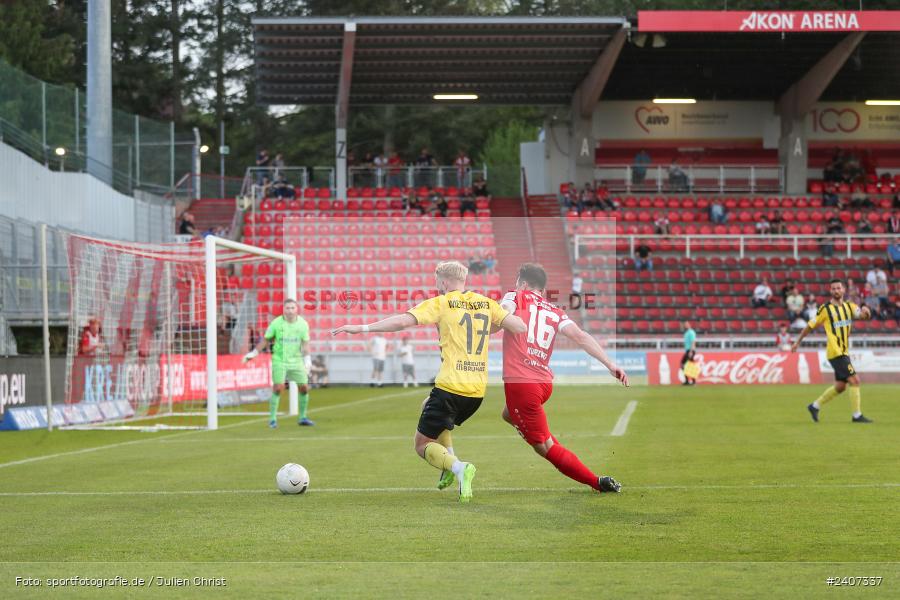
212, 243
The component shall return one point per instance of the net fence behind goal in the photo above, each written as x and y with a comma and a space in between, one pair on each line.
148, 321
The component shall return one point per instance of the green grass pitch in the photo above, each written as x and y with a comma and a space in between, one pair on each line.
727, 492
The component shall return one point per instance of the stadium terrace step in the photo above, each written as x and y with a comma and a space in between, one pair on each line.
212, 213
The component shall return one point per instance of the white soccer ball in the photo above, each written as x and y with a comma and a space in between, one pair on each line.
292, 479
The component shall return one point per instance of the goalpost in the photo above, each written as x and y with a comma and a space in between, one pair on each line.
157, 331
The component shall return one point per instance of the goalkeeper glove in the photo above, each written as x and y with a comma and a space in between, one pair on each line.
307, 362
250, 356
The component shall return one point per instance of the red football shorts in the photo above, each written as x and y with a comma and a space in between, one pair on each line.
525, 403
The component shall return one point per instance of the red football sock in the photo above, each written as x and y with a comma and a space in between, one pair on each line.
569, 465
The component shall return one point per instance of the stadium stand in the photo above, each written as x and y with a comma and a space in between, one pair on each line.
709, 280
368, 244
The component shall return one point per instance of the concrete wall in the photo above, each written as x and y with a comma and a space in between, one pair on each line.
77, 201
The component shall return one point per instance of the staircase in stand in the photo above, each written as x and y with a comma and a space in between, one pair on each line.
212, 212
551, 245
511, 239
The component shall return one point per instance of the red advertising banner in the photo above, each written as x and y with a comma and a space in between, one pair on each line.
756, 368
767, 21
144, 381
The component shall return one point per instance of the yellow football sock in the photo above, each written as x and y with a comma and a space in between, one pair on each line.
438, 457
826, 396
445, 439
855, 399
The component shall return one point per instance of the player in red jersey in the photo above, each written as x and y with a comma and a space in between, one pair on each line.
528, 379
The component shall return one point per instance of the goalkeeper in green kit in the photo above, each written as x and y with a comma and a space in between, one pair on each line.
290, 358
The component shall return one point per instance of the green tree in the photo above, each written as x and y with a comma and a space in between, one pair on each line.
501, 154
26, 42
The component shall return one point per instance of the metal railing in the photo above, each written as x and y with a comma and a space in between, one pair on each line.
413, 176
690, 178
843, 243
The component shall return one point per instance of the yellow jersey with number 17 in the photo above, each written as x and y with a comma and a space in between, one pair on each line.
464, 321
837, 319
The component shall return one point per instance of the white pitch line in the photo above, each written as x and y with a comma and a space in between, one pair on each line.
33, 459
363, 438
420, 490
622, 423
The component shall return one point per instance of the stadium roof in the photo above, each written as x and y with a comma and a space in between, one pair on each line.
541, 61
505, 60
751, 66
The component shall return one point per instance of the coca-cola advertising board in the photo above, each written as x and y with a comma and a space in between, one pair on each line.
742, 368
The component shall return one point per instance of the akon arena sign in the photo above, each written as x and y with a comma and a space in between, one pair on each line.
739, 21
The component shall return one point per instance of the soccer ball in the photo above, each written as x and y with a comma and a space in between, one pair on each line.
292, 479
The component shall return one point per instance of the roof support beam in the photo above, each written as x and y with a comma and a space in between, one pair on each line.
800, 97
342, 109
796, 102
588, 91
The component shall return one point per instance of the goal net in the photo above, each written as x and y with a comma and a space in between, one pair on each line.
157, 332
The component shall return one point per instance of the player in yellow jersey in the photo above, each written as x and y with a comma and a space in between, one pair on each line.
837, 316
464, 320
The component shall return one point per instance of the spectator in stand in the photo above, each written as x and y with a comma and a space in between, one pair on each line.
229, 312
282, 189
786, 290
763, 227
639, 170
853, 293
761, 294
318, 372
661, 224
893, 225
462, 164
587, 199
277, 165
882, 291
489, 263
893, 256
795, 305
262, 165
642, 258
834, 170
577, 285
480, 189
783, 339
412, 202
265, 188
439, 204
571, 198
678, 180
777, 223
896, 300
811, 308
395, 170
859, 199
602, 198
834, 226
186, 226
476, 265
380, 163
829, 196
424, 173
863, 225
896, 202
467, 205
872, 301
875, 275
91, 343
717, 213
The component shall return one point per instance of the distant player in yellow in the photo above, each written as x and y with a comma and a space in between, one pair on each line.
464, 321
837, 317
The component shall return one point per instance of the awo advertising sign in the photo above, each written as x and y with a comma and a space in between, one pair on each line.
637, 120
763, 21
740, 368
143, 381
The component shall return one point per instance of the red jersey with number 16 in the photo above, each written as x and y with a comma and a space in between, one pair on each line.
526, 357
